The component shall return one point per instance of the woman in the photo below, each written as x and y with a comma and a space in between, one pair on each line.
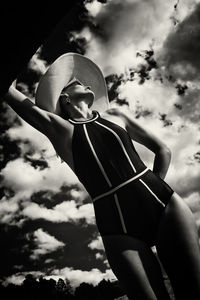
134, 208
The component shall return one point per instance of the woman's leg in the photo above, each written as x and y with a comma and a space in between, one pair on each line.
136, 267
178, 249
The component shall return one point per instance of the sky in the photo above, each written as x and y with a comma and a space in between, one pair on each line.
47, 218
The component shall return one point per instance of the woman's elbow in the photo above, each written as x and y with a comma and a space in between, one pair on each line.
162, 148
165, 150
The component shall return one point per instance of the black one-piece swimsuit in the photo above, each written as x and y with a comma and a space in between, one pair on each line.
128, 197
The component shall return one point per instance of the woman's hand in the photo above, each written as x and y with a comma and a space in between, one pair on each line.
14, 84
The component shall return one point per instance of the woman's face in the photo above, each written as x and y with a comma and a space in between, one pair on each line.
78, 92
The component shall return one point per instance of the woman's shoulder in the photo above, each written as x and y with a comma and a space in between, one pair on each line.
116, 115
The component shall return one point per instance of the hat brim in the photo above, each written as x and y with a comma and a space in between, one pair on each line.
61, 72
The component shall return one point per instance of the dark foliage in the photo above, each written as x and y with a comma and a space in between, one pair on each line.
197, 156
178, 106
113, 81
166, 122
40, 164
39, 289
145, 69
181, 89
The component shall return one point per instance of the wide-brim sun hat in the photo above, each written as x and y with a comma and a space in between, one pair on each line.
62, 72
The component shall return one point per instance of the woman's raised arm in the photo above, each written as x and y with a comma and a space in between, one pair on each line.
145, 137
28, 111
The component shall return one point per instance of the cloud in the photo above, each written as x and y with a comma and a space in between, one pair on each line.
79, 194
76, 277
36, 64
8, 209
96, 244
152, 95
122, 29
99, 256
44, 243
28, 79
21, 176
180, 53
184, 171
25, 179
18, 278
185, 180
93, 7
67, 211
26, 132
190, 104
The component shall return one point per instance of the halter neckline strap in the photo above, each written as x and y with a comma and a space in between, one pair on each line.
94, 117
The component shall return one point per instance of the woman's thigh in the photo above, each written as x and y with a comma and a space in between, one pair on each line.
136, 267
178, 249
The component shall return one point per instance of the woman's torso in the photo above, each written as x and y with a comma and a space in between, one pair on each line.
63, 134
99, 151
128, 197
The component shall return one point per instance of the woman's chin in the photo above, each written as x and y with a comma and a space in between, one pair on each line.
90, 98
90, 104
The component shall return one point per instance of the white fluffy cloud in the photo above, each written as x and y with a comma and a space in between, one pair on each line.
152, 95
23, 177
96, 244
180, 51
99, 256
44, 243
76, 277
18, 278
126, 30
67, 211
94, 7
25, 180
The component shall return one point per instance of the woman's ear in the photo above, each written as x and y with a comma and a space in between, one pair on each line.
65, 97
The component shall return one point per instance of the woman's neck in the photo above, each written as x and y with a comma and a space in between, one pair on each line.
80, 111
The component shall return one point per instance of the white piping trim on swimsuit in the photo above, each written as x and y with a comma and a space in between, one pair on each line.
85, 121
152, 192
96, 157
120, 213
120, 185
120, 142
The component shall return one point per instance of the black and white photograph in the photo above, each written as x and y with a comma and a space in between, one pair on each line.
100, 150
